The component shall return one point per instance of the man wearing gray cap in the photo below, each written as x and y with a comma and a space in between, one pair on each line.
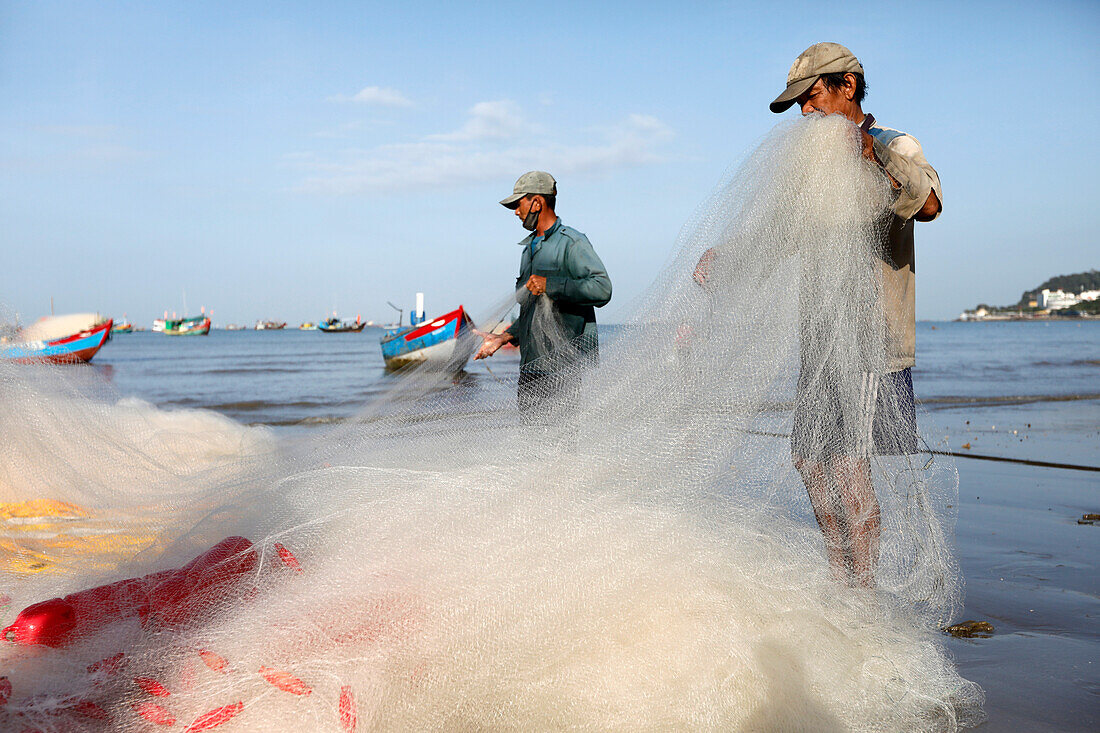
828, 79
560, 272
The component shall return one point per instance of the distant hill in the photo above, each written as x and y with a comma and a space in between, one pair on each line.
1069, 283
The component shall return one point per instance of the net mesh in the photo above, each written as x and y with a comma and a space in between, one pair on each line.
638, 552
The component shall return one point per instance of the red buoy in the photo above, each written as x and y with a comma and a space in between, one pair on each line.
169, 598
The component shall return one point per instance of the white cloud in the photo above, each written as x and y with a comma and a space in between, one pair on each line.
381, 96
488, 121
494, 143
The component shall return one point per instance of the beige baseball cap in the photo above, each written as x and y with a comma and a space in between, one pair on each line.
818, 59
531, 182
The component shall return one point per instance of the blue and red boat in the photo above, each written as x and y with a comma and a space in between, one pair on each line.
59, 340
443, 343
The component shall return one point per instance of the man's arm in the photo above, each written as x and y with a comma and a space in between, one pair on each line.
931, 208
917, 183
587, 283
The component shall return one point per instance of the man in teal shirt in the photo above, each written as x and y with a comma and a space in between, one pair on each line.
561, 282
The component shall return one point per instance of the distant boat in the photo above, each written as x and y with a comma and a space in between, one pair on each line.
443, 343
59, 339
123, 326
335, 325
270, 325
234, 327
194, 326
308, 326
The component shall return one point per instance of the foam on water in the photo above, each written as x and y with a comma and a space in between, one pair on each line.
644, 559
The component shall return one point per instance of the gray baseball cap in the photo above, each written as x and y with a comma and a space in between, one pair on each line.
531, 182
818, 59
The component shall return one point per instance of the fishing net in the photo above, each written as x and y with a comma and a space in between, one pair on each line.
640, 553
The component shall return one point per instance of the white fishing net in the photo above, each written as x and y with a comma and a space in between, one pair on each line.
639, 554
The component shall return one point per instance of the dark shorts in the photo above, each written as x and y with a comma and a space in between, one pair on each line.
871, 414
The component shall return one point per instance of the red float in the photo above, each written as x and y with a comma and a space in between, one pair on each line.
215, 717
170, 598
154, 713
349, 716
285, 681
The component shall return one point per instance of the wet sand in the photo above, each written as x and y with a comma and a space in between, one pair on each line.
1030, 568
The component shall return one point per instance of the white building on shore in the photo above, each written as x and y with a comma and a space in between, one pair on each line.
1057, 299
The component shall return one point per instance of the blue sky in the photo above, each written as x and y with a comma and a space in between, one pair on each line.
277, 159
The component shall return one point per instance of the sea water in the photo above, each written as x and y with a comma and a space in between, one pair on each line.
299, 380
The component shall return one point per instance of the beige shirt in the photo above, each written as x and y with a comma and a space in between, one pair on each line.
902, 157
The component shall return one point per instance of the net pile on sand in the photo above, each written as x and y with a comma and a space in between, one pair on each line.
642, 557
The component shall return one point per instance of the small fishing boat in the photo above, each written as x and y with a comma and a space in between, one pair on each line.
308, 326
59, 339
335, 325
443, 343
194, 326
123, 326
270, 325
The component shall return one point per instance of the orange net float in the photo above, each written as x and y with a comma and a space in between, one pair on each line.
214, 661
285, 681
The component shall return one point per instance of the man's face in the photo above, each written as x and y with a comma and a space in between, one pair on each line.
819, 98
525, 205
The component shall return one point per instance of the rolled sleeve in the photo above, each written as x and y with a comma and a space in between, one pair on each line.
904, 160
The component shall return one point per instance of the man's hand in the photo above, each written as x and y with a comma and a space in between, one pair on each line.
491, 343
869, 147
702, 268
869, 154
536, 284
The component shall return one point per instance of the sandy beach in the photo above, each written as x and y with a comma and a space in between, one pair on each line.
1029, 567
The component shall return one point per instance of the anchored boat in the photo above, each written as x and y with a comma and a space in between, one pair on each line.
335, 325
59, 339
194, 326
444, 343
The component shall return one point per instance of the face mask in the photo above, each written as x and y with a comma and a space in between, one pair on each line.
532, 219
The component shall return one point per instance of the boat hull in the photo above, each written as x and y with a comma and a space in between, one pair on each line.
183, 327
445, 343
76, 348
347, 328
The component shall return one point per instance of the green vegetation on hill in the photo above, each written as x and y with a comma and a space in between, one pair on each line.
1070, 283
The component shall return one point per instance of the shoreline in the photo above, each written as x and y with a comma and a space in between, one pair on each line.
1017, 317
